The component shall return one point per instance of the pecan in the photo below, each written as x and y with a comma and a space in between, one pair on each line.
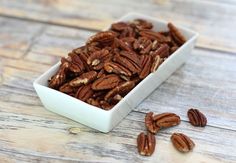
105, 38
84, 92
106, 82
119, 26
85, 78
165, 120
129, 60
156, 63
105, 105
142, 24
123, 45
97, 57
153, 35
76, 64
127, 32
120, 89
93, 102
176, 34
143, 44
196, 118
112, 67
182, 142
162, 51
146, 62
146, 144
150, 123
173, 49
66, 88
60, 77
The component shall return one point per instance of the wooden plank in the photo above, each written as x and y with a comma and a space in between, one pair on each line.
214, 25
44, 138
17, 36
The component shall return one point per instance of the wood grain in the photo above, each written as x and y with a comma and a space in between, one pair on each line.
215, 25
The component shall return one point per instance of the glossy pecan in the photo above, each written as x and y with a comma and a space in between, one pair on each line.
93, 102
146, 144
84, 92
106, 82
176, 34
60, 77
165, 120
182, 142
119, 43
105, 105
66, 88
143, 45
162, 51
85, 78
106, 38
112, 67
97, 57
196, 118
151, 124
129, 60
153, 35
119, 26
146, 63
120, 89
142, 24
76, 64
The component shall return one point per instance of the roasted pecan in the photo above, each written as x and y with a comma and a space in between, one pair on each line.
120, 89
146, 63
129, 60
97, 57
123, 45
116, 68
176, 34
105, 105
85, 78
173, 49
162, 51
143, 45
84, 92
106, 82
119, 26
151, 124
153, 36
146, 144
182, 142
93, 102
196, 118
76, 64
127, 32
105, 38
60, 77
165, 120
156, 63
66, 88
142, 24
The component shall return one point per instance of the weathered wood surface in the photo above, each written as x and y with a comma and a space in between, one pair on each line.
29, 133
214, 20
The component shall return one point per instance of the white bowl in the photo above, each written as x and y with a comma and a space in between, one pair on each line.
103, 120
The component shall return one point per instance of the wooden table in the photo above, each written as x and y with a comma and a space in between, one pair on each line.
35, 34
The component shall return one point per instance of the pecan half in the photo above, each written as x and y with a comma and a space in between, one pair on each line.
105, 105
153, 35
151, 124
196, 118
162, 51
143, 45
60, 77
165, 120
66, 88
146, 144
85, 78
105, 38
119, 26
176, 34
142, 24
182, 142
106, 82
97, 57
129, 60
146, 63
116, 68
120, 89
84, 92
76, 64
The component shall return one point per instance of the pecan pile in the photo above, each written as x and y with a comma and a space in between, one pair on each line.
113, 62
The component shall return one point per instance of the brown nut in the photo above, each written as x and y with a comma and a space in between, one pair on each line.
151, 124
176, 34
85, 78
165, 120
182, 142
196, 118
112, 67
106, 37
146, 62
106, 82
146, 144
84, 92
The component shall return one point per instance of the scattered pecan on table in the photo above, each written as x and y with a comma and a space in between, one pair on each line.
113, 62
196, 118
146, 144
182, 142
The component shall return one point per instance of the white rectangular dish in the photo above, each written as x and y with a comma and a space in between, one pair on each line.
103, 120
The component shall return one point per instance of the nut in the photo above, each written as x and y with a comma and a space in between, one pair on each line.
176, 34
146, 62
146, 144
182, 142
151, 124
84, 92
112, 67
85, 78
165, 120
106, 82
196, 118
106, 37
